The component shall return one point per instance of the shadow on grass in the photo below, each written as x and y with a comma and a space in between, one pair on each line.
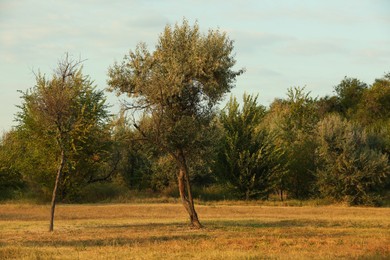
247, 223
293, 223
170, 232
144, 225
117, 241
301, 228
228, 224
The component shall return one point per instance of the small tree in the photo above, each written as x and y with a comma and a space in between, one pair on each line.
176, 87
62, 112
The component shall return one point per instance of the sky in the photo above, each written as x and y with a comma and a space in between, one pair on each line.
281, 44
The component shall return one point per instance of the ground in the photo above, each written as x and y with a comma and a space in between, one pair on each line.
161, 231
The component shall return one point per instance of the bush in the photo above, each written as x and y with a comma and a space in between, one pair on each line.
350, 168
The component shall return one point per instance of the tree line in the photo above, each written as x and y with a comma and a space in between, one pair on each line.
171, 135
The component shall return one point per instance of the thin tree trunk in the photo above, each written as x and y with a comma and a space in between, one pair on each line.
55, 190
185, 192
247, 195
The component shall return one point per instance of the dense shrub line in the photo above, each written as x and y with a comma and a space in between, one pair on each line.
335, 148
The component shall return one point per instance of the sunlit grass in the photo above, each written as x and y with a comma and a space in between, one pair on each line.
160, 231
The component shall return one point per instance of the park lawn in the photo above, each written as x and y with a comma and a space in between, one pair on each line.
161, 231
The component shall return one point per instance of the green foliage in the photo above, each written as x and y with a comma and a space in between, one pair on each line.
187, 73
142, 166
248, 156
176, 88
327, 105
350, 92
374, 108
177, 85
163, 173
173, 91
134, 159
63, 114
293, 122
25, 165
10, 178
350, 167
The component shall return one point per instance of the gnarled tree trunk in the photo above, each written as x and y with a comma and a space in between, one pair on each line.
55, 190
185, 191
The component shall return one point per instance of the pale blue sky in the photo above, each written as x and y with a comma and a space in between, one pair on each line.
280, 43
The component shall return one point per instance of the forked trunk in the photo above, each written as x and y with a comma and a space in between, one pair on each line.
55, 190
185, 192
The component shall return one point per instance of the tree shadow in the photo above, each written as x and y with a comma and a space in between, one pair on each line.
269, 224
116, 241
179, 231
143, 225
302, 228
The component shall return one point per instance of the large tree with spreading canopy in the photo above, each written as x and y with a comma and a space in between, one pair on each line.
176, 87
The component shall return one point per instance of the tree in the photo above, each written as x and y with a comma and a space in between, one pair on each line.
350, 167
136, 159
32, 159
349, 93
248, 157
62, 113
10, 177
293, 121
176, 87
374, 108
327, 105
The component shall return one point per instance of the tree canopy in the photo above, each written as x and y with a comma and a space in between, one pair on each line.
61, 116
176, 87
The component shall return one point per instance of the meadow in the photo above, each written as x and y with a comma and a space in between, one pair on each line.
161, 231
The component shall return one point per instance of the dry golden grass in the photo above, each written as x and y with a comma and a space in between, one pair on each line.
160, 231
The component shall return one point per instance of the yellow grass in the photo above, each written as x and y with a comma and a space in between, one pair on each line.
160, 231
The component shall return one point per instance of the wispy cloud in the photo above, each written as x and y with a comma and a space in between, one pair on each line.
250, 41
369, 56
315, 47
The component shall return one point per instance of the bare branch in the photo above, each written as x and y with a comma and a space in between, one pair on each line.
67, 67
110, 173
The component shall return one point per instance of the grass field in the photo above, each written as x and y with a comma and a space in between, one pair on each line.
160, 231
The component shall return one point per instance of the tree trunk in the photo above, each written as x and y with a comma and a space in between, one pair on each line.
55, 190
247, 196
185, 192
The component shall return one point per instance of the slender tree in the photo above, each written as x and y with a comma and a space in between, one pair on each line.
176, 87
62, 112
